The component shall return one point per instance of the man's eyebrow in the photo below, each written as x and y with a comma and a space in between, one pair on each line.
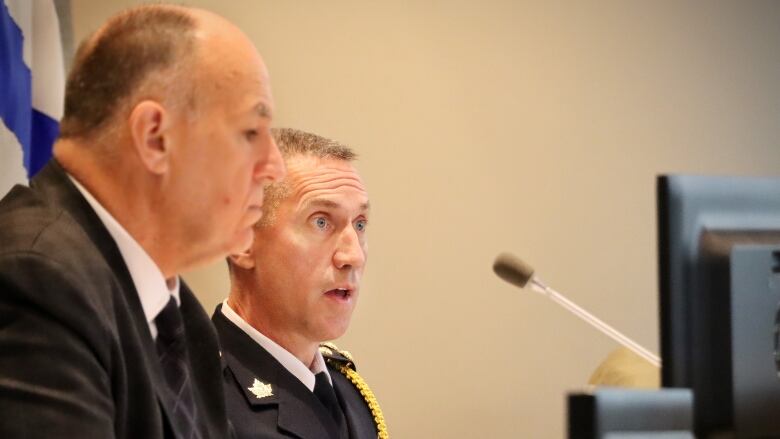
262, 110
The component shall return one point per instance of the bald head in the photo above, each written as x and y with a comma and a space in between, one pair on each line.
146, 52
119, 59
158, 98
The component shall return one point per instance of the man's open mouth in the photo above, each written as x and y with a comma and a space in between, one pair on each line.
342, 293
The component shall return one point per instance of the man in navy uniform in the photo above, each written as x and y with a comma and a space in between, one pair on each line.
294, 289
164, 150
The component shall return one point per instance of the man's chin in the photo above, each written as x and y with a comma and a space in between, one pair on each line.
334, 330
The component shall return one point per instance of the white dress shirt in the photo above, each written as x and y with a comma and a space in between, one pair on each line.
149, 281
288, 360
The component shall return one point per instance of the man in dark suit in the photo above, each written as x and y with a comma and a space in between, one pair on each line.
295, 288
164, 149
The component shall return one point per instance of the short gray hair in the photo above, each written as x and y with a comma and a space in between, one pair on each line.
293, 143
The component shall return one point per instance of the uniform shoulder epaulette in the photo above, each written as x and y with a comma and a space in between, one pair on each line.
333, 354
344, 362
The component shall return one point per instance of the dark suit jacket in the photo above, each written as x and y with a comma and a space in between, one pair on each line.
77, 359
292, 410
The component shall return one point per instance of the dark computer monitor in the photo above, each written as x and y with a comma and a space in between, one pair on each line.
719, 271
617, 413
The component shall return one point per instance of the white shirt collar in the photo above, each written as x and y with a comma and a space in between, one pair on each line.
148, 279
288, 360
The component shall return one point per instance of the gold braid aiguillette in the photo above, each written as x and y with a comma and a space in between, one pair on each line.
360, 385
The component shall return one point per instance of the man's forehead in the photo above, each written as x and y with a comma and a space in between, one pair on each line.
314, 180
243, 102
234, 73
303, 168
264, 102
328, 203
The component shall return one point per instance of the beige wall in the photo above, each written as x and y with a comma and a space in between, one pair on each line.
533, 127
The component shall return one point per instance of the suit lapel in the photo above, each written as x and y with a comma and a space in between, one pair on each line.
54, 184
299, 412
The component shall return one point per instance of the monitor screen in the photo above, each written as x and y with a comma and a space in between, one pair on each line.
719, 279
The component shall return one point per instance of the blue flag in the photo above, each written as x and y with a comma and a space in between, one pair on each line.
32, 82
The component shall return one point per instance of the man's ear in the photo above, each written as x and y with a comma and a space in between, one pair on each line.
149, 122
244, 260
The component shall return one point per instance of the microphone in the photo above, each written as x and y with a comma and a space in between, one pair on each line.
513, 270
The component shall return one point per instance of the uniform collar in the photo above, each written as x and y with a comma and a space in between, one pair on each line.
283, 356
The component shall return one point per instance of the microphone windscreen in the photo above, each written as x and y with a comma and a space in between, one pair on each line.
512, 269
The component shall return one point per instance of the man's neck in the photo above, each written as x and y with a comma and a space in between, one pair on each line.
133, 209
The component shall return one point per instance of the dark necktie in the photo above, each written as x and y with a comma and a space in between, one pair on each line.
172, 350
324, 391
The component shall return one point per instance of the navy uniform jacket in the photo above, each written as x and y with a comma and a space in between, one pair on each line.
292, 411
77, 359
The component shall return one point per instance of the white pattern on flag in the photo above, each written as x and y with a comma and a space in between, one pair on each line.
42, 55
11, 161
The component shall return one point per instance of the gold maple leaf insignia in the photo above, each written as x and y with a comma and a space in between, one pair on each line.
260, 389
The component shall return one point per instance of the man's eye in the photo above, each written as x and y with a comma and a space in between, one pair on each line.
361, 225
321, 222
250, 135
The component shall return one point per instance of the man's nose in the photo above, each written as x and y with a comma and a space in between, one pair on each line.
350, 252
